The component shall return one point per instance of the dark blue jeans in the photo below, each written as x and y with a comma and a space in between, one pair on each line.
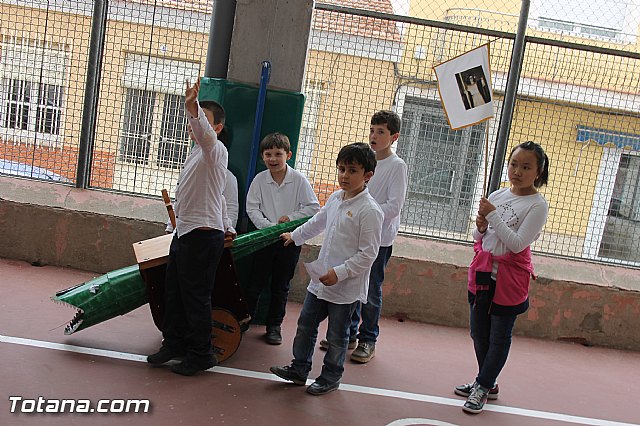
491, 336
370, 311
314, 311
277, 263
193, 260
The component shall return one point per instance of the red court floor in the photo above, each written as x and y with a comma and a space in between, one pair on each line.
409, 382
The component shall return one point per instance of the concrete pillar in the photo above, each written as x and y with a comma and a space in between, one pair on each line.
271, 30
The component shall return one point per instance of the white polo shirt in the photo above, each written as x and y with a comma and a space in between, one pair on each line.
351, 241
267, 201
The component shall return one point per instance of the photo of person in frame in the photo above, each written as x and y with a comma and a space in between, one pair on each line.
473, 87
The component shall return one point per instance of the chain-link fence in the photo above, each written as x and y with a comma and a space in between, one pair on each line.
42, 66
578, 95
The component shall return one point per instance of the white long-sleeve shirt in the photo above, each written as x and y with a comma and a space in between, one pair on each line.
515, 223
351, 241
231, 209
199, 201
388, 186
267, 201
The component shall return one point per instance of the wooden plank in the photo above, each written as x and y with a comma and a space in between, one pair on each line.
155, 251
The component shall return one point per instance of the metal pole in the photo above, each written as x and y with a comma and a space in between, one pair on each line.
265, 75
220, 32
91, 89
517, 56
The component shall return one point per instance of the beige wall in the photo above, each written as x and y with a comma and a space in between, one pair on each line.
60, 29
345, 113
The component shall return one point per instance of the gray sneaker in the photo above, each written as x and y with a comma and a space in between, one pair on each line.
364, 352
324, 344
465, 390
477, 399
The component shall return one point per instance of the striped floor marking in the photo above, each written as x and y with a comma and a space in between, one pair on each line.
390, 393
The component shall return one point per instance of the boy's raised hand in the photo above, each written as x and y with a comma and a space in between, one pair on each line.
191, 98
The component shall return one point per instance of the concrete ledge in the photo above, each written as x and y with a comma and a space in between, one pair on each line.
425, 281
54, 224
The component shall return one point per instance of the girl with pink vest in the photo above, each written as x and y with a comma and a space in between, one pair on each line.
507, 223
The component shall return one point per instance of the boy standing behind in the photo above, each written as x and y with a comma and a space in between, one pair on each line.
388, 187
351, 221
276, 195
197, 243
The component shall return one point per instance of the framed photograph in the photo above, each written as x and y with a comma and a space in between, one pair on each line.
464, 85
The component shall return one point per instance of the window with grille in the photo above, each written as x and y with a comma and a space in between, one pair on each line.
32, 107
443, 165
625, 201
33, 77
138, 121
154, 126
174, 139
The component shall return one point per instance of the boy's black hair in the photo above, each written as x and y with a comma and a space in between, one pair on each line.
275, 140
390, 118
358, 153
543, 161
216, 109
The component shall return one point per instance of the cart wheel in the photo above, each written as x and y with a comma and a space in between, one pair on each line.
225, 333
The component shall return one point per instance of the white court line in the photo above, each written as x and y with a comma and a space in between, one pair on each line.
343, 386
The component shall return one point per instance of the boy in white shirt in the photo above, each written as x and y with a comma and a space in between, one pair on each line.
389, 188
197, 244
276, 195
351, 221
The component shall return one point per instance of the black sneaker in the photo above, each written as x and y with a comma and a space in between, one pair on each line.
189, 368
289, 374
465, 390
477, 399
273, 336
164, 355
324, 344
319, 388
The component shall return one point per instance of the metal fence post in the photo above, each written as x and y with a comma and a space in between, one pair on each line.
92, 86
517, 57
221, 30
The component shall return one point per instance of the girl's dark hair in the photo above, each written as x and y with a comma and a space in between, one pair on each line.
358, 153
543, 161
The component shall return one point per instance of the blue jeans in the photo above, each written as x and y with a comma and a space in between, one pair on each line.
370, 311
491, 336
314, 311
